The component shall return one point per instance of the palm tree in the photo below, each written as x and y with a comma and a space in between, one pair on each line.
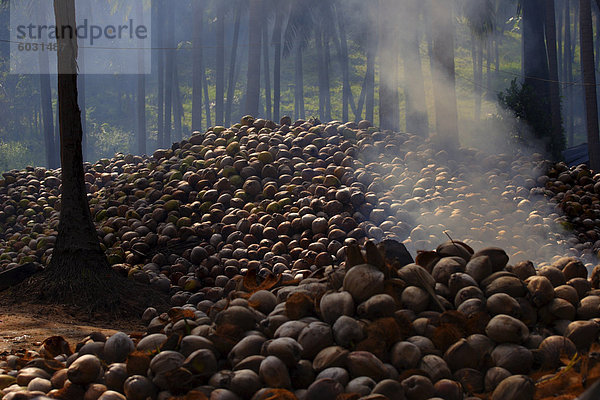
159, 23
232, 63
414, 86
48, 123
589, 82
388, 67
141, 93
557, 138
78, 268
266, 67
446, 112
46, 101
568, 73
254, 48
480, 17
220, 62
535, 57
197, 70
280, 13
298, 33
169, 69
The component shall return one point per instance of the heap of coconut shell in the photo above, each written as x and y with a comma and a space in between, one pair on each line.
286, 198
457, 324
254, 231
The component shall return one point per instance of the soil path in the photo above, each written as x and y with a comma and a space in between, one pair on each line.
24, 326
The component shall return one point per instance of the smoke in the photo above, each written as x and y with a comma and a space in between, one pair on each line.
490, 192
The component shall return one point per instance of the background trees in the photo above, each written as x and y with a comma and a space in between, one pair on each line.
334, 59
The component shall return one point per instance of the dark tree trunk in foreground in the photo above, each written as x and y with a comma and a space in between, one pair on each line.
84, 141
197, 66
78, 270
589, 82
444, 87
254, 48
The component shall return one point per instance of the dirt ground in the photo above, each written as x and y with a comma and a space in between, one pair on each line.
24, 326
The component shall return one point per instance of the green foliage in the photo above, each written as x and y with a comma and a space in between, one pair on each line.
106, 140
522, 101
16, 155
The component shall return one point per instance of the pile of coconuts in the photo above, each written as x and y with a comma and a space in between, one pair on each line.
254, 232
286, 198
455, 324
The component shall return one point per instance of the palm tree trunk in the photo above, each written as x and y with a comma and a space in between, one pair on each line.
589, 82
299, 85
170, 56
370, 76
206, 97
568, 74
361, 99
477, 55
267, 71
597, 41
160, 142
320, 68
232, 66
277, 29
488, 66
343, 56
388, 59
46, 102
557, 134
220, 64
81, 86
446, 112
535, 67
559, 39
56, 128
197, 65
326, 73
254, 47
141, 94
141, 114
77, 260
177, 106
416, 108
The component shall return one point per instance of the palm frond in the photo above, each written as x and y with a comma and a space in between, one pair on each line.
480, 16
299, 27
